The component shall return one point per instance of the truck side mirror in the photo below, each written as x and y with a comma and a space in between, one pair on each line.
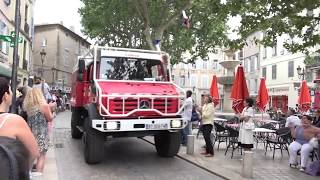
81, 66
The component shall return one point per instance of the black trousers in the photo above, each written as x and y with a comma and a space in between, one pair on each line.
206, 130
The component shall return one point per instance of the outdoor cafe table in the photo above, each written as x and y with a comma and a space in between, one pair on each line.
262, 134
263, 130
220, 120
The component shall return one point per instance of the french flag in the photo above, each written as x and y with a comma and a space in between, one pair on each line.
185, 19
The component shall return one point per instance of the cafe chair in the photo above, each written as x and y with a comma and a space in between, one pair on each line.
232, 141
281, 141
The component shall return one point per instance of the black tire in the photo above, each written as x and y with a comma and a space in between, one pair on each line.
75, 121
168, 143
93, 144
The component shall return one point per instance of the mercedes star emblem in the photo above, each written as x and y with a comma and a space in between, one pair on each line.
144, 104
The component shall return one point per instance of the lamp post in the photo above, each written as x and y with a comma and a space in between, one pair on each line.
301, 72
43, 55
17, 21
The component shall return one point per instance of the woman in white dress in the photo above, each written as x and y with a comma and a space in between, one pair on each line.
246, 126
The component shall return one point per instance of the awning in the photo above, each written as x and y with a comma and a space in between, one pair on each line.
5, 70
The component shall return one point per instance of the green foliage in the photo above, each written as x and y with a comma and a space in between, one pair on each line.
137, 23
276, 18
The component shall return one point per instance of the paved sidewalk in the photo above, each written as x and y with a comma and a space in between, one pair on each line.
264, 166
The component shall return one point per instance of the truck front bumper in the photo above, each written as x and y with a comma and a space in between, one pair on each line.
119, 125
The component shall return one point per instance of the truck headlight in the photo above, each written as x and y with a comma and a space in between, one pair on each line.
176, 123
112, 125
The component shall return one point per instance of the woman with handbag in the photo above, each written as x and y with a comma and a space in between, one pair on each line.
39, 114
246, 126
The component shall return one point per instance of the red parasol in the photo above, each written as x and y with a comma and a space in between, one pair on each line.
239, 91
304, 100
214, 91
263, 96
317, 100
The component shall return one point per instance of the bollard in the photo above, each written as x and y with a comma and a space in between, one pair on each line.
190, 144
247, 164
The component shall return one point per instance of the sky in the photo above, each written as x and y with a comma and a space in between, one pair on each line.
55, 11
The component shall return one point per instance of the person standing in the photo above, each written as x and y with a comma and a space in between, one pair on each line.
12, 125
207, 125
246, 126
186, 115
44, 88
39, 114
316, 120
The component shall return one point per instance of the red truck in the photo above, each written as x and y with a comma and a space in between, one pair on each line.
119, 92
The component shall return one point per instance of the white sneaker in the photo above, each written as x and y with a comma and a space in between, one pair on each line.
36, 174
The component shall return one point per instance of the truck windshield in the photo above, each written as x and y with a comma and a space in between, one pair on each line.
122, 68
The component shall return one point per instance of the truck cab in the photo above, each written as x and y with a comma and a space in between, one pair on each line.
119, 92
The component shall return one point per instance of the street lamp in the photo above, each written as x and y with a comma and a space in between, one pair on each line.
301, 72
43, 55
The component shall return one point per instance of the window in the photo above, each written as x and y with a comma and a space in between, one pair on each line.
44, 42
66, 57
205, 81
264, 72
274, 49
205, 64
215, 64
290, 68
274, 72
257, 62
199, 64
252, 63
265, 52
256, 86
4, 46
26, 13
246, 65
120, 68
182, 81
193, 81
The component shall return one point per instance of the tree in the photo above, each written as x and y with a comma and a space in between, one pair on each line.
298, 20
138, 23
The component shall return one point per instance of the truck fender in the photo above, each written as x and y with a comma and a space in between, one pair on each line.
91, 111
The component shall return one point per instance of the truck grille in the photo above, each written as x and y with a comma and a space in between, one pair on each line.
124, 106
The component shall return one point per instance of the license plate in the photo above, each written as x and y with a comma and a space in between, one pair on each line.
156, 126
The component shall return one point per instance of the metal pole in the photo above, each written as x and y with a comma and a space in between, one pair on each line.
190, 144
42, 59
15, 56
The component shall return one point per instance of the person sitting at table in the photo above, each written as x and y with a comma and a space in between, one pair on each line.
302, 135
246, 126
292, 120
316, 120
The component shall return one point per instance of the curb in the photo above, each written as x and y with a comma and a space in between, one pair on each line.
193, 163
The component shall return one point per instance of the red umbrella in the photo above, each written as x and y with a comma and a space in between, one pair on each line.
317, 100
214, 91
239, 91
263, 97
304, 100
